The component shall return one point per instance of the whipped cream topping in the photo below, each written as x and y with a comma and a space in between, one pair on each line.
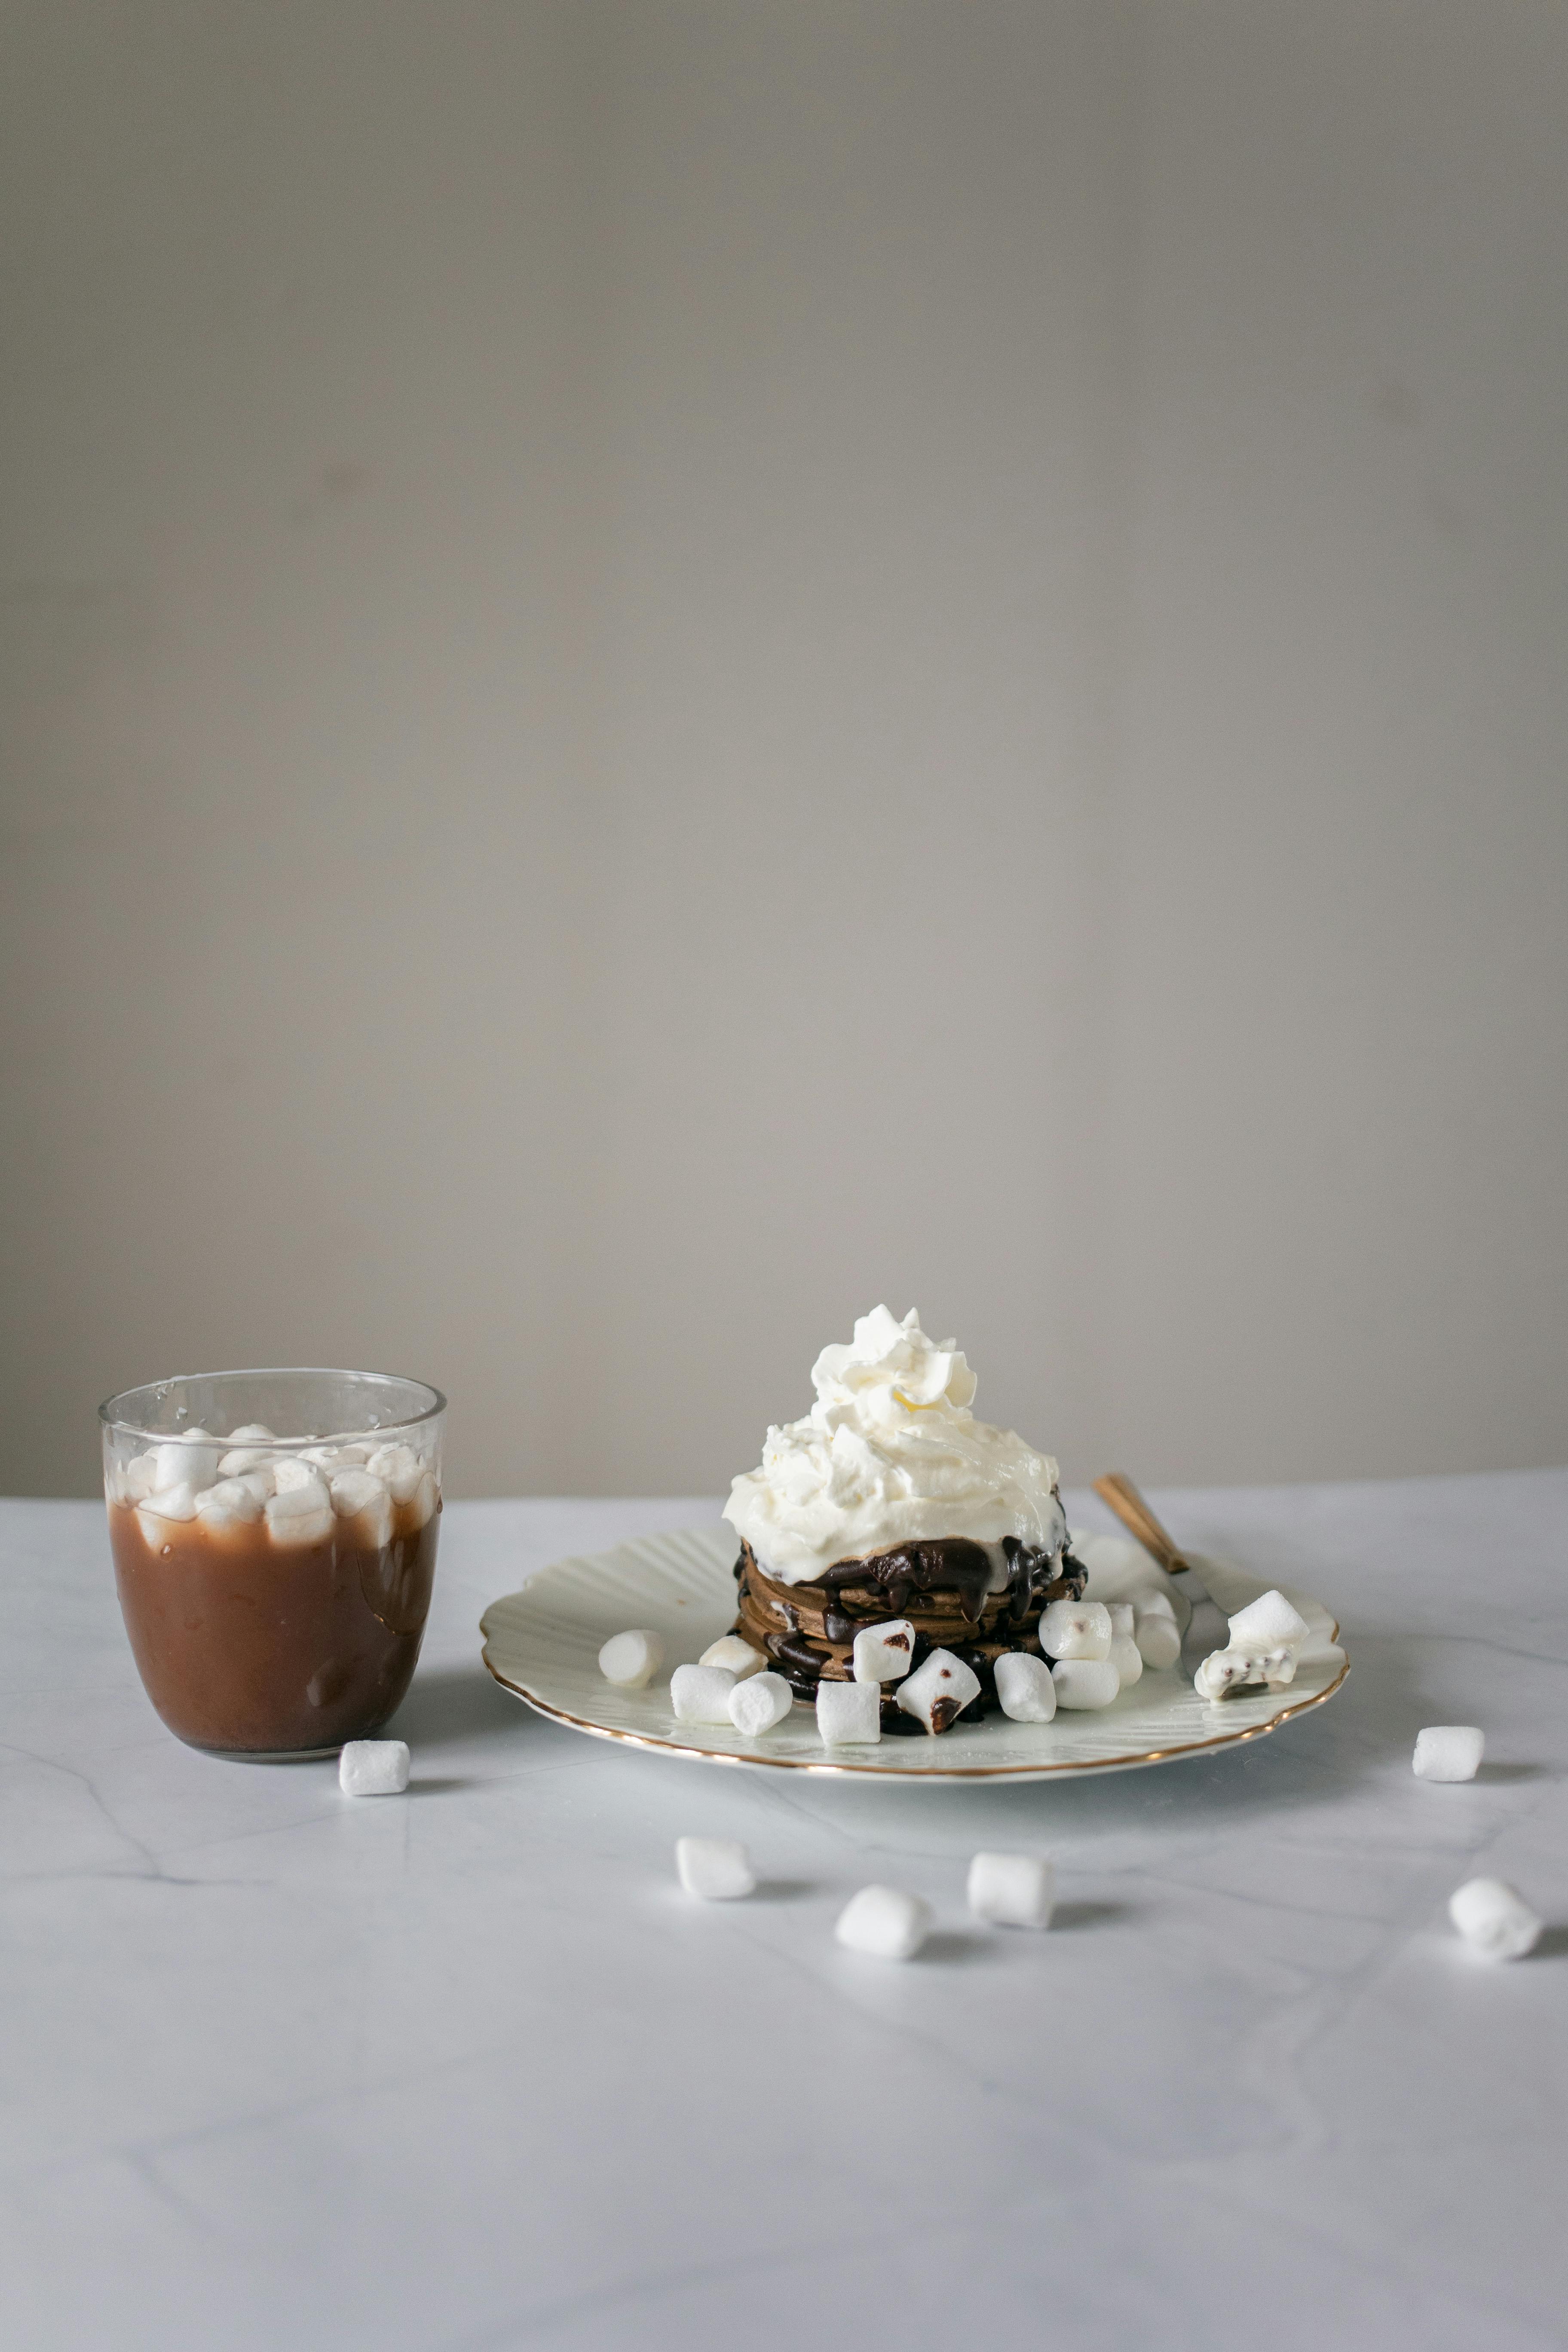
891, 1453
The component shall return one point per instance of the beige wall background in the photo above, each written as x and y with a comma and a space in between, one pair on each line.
669, 669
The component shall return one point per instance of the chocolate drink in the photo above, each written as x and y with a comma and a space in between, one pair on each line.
245, 1643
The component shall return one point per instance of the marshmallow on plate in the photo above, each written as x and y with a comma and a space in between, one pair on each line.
374, 1767
714, 1869
1267, 1623
1493, 1919
849, 1715
885, 1922
1024, 1691
883, 1653
758, 1703
300, 1514
1076, 1629
1085, 1683
1013, 1890
939, 1691
1155, 1631
1448, 1751
702, 1694
735, 1655
632, 1659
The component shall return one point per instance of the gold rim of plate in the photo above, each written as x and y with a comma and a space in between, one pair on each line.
626, 1565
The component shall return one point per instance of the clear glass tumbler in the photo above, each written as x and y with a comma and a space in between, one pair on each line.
273, 1540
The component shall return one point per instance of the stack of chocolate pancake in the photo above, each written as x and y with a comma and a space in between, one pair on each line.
943, 1586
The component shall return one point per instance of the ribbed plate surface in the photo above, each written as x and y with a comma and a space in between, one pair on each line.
544, 1642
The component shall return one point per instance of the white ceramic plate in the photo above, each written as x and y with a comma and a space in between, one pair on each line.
544, 1644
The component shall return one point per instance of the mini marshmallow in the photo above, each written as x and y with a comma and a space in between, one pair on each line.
1013, 1890
1128, 1660
1121, 1621
247, 1459
1448, 1751
301, 1514
939, 1691
1267, 1623
374, 1767
1085, 1683
735, 1655
252, 1432
1025, 1690
189, 1460
357, 1496
884, 1922
700, 1693
884, 1654
849, 1715
1076, 1629
758, 1703
293, 1471
426, 1500
1156, 1632
232, 1502
400, 1467
716, 1870
632, 1660
1226, 1672
140, 1478
1493, 1919
178, 1503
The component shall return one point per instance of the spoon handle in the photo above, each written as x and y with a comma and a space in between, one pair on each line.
1117, 1489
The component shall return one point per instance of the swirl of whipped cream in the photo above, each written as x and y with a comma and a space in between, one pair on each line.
891, 1453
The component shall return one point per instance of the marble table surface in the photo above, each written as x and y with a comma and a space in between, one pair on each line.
465, 2070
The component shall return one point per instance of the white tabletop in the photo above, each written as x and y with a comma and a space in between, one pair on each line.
464, 2069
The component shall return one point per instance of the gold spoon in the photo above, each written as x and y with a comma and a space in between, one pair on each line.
1117, 1489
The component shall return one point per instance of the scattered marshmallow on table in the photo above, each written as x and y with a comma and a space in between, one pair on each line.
1076, 1629
884, 1922
1448, 1751
939, 1691
1085, 1683
883, 1653
702, 1694
632, 1659
1024, 1691
735, 1655
714, 1869
849, 1715
374, 1767
1013, 1890
1493, 1919
758, 1703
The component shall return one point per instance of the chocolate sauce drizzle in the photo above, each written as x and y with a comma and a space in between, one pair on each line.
948, 1565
